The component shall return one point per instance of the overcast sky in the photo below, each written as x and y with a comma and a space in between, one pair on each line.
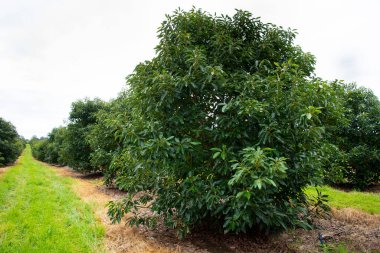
53, 52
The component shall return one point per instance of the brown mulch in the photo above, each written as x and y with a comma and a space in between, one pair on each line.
358, 231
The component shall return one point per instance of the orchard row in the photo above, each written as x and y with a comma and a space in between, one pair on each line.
227, 125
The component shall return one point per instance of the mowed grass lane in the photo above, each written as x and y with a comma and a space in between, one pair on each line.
40, 213
363, 201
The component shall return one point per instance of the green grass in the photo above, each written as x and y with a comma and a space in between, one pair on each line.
40, 213
364, 201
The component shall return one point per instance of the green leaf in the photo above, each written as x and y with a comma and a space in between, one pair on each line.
216, 155
271, 182
245, 194
258, 183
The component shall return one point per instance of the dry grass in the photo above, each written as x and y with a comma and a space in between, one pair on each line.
119, 237
356, 230
354, 216
359, 231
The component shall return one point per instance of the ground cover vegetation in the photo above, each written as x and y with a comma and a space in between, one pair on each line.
39, 212
227, 124
365, 201
11, 144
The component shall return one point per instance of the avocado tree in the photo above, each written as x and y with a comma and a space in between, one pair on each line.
359, 137
38, 146
50, 149
76, 149
11, 144
225, 125
102, 137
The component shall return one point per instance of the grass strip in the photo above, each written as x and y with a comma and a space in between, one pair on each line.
364, 201
39, 212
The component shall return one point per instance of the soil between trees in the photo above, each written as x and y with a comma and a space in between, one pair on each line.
356, 230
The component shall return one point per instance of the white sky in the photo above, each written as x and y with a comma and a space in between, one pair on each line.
53, 52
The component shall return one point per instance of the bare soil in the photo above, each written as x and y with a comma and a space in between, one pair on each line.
358, 231
374, 188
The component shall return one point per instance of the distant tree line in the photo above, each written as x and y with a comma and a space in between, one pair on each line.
11, 143
226, 124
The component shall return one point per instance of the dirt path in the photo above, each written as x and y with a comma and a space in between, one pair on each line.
120, 237
356, 230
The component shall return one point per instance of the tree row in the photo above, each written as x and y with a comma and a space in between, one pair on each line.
226, 125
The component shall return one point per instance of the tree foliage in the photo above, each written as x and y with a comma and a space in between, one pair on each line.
77, 149
11, 144
38, 146
225, 125
71, 145
50, 149
358, 138
102, 139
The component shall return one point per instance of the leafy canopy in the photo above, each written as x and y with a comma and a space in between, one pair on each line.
225, 125
52, 148
77, 149
11, 144
358, 138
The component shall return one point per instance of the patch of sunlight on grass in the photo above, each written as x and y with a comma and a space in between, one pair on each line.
364, 201
40, 213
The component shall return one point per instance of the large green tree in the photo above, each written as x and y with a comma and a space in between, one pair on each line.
11, 144
102, 138
225, 125
358, 138
52, 148
38, 146
76, 148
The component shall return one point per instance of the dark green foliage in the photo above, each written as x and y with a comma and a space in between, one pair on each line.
78, 145
77, 149
225, 124
334, 161
102, 139
11, 144
358, 138
318, 204
56, 145
38, 146
50, 149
